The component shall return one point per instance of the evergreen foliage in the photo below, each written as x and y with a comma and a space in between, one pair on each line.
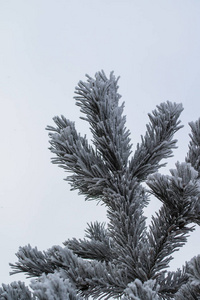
125, 258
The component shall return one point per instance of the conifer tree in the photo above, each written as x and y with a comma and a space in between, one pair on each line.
125, 259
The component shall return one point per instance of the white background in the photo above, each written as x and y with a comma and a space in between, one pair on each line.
46, 48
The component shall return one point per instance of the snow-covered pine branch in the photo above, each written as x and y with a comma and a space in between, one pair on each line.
158, 142
193, 155
99, 101
125, 259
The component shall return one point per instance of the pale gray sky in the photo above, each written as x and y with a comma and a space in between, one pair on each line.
46, 48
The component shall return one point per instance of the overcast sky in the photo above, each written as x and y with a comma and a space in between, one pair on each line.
46, 48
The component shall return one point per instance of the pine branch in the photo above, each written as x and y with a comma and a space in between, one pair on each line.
188, 292
52, 286
193, 155
74, 154
138, 290
32, 262
171, 282
97, 247
124, 260
90, 249
193, 270
15, 291
98, 99
166, 235
179, 192
127, 227
169, 229
158, 141
96, 231
91, 278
